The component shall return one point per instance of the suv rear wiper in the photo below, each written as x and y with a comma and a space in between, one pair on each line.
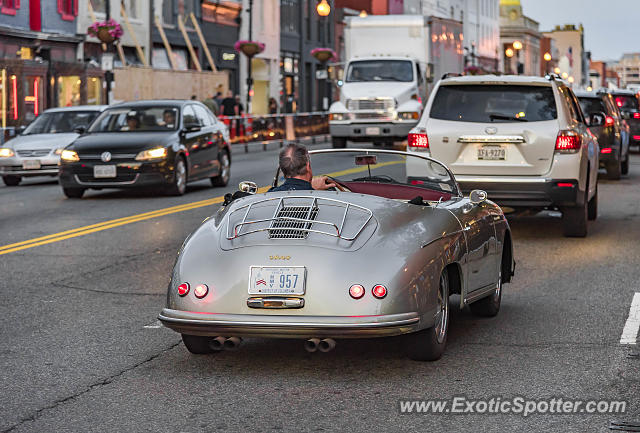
494, 116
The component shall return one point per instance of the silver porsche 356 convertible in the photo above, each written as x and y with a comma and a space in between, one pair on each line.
378, 256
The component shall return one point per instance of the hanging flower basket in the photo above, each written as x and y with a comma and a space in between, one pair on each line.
249, 48
107, 31
324, 54
474, 70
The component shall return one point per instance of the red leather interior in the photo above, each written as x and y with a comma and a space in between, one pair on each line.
400, 192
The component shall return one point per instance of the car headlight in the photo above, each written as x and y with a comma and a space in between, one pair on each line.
156, 153
411, 115
338, 116
69, 155
5, 152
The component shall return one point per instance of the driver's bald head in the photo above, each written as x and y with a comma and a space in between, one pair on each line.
293, 160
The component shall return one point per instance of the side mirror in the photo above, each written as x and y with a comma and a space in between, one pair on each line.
191, 127
20, 129
477, 196
248, 187
429, 73
596, 119
80, 129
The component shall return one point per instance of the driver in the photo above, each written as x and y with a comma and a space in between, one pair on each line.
169, 118
296, 168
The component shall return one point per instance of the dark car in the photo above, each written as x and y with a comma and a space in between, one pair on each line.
607, 124
163, 143
628, 103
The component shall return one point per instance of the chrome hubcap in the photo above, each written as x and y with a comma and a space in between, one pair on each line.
181, 174
442, 316
224, 173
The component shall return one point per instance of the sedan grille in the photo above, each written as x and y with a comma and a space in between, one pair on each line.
113, 155
293, 222
34, 152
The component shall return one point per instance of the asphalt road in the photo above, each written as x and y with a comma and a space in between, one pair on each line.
82, 350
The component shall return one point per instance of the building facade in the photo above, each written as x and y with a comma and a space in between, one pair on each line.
628, 69
573, 59
519, 40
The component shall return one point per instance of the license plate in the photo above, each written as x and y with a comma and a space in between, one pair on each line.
492, 153
31, 164
275, 280
102, 171
372, 130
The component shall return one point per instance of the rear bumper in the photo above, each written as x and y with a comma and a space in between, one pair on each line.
614, 156
288, 326
525, 192
358, 131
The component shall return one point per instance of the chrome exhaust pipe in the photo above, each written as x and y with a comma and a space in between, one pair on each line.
327, 345
217, 343
232, 343
311, 345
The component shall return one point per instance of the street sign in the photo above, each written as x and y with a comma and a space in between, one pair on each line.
321, 74
107, 62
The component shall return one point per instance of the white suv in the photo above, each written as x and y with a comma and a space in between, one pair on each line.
522, 139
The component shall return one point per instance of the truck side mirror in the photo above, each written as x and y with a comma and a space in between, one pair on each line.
429, 73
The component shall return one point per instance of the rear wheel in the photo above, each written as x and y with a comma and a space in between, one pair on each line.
11, 180
429, 344
625, 165
592, 209
197, 344
574, 220
339, 142
614, 170
179, 183
225, 170
73, 192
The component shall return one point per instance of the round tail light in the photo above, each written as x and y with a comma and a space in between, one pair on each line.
183, 289
201, 291
356, 291
379, 291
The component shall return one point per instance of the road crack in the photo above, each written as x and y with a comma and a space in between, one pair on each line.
91, 387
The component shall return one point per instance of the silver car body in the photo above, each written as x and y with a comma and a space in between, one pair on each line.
387, 241
35, 154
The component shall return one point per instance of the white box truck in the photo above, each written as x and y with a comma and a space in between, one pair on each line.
391, 59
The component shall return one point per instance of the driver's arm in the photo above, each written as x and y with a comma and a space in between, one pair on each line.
322, 183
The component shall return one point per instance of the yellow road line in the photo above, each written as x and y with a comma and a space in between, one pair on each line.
105, 225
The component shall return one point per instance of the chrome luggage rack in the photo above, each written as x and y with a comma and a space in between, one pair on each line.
287, 227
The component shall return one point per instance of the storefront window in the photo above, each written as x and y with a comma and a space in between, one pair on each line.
32, 97
94, 91
99, 6
69, 90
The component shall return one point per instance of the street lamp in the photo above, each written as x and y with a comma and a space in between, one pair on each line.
323, 8
509, 52
517, 45
565, 75
547, 57
556, 70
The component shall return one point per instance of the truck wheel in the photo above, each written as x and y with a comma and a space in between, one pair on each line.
339, 142
625, 165
73, 192
592, 209
614, 170
429, 344
196, 344
574, 220
11, 180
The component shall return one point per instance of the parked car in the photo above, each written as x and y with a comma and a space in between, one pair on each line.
606, 123
378, 257
36, 151
161, 143
628, 103
522, 139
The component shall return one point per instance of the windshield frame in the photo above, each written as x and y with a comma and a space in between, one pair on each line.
456, 189
349, 71
178, 125
43, 118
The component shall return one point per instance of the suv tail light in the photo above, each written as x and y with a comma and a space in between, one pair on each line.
636, 115
608, 121
568, 142
420, 141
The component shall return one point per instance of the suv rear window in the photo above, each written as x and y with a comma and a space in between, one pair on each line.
494, 103
592, 105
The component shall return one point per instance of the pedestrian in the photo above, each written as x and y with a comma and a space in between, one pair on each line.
229, 105
273, 106
212, 105
239, 112
218, 98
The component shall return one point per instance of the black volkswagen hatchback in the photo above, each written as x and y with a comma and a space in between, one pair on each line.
160, 143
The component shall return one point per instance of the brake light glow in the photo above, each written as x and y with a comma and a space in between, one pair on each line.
605, 150
356, 291
619, 102
379, 291
568, 142
418, 140
608, 121
201, 291
183, 289
636, 115
636, 137
565, 185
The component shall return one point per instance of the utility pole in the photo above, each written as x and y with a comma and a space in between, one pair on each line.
249, 60
108, 74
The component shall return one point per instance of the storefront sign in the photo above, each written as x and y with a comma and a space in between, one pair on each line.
107, 62
229, 56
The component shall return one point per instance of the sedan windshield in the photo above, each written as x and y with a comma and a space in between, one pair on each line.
380, 70
59, 122
137, 119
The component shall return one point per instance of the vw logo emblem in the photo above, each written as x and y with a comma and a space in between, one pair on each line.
105, 157
490, 130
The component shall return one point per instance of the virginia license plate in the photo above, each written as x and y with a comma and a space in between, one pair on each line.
31, 164
276, 280
102, 171
372, 130
492, 153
